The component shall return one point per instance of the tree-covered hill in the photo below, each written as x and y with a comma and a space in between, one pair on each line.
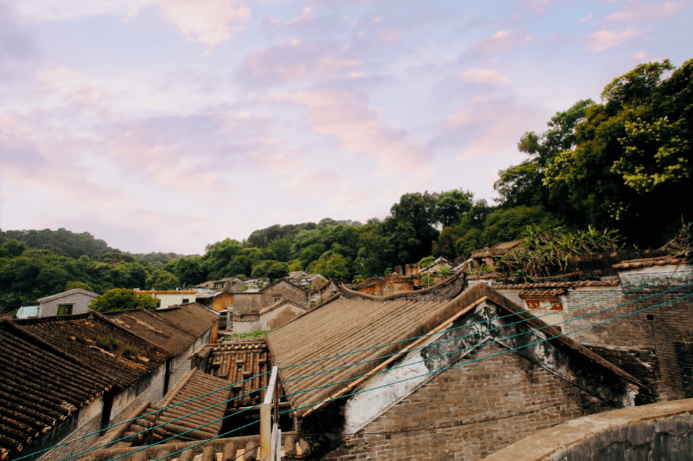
624, 163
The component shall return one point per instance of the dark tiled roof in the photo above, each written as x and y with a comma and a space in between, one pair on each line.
39, 387
237, 361
190, 318
62, 332
542, 292
578, 284
649, 262
74, 291
154, 329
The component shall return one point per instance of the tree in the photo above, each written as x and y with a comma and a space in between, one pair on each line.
632, 156
270, 269
452, 205
445, 245
75, 284
162, 280
522, 184
409, 230
333, 266
12, 248
119, 299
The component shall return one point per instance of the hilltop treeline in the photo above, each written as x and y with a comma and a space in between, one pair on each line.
623, 163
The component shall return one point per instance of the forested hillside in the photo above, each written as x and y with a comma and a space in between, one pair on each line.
623, 164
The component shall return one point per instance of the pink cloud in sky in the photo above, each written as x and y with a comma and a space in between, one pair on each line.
641, 11
586, 18
604, 39
484, 77
491, 126
502, 40
537, 5
208, 22
293, 59
357, 128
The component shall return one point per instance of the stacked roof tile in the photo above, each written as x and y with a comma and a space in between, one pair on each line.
192, 318
649, 262
39, 387
99, 342
155, 329
238, 361
342, 326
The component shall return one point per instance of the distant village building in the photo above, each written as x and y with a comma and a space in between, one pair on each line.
168, 298
27, 312
71, 302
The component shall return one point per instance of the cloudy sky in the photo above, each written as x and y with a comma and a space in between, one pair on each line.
165, 125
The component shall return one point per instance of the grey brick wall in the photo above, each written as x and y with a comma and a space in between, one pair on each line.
80, 303
469, 412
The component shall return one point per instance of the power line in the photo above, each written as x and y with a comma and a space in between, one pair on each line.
417, 376
660, 279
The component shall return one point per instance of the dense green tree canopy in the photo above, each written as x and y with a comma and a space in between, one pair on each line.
119, 299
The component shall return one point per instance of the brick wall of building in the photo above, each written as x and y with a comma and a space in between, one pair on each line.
79, 301
471, 411
684, 352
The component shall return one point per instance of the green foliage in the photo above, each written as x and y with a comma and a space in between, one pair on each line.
333, 265
445, 272
162, 280
427, 280
122, 299
242, 277
130, 351
109, 343
71, 285
80, 338
270, 269
12, 248
445, 245
427, 261
252, 334
62, 241
544, 251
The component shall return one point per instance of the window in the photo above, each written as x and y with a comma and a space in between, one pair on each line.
277, 299
186, 300
65, 309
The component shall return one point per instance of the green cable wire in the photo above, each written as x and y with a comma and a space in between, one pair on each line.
452, 329
667, 276
177, 435
424, 374
487, 357
143, 416
204, 441
478, 333
423, 336
169, 422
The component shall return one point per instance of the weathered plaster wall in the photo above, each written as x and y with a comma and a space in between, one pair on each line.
279, 316
151, 388
80, 304
252, 303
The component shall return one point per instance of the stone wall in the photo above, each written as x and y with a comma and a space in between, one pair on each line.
684, 353
662, 431
151, 388
469, 412
253, 303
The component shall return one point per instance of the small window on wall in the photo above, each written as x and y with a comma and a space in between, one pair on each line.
277, 299
186, 300
65, 309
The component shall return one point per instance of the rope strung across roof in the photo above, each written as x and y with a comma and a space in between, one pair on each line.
424, 374
659, 279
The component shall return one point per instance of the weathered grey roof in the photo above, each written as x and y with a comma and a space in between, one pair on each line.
68, 293
350, 325
279, 304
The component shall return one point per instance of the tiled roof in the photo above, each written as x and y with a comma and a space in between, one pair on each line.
237, 361
246, 318
649, 262
577, 284
543, 292
279, 304
68, 293
39, 387
339, 327
63, 333
349, 325
154, 329
190, 318
167, 292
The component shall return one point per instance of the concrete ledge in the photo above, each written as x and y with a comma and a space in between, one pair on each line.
662, 431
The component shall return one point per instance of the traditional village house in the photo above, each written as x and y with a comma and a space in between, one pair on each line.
249, 303
511, 388
168, 298
67, 376
484, 257
75, 301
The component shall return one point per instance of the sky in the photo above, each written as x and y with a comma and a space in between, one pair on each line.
166, 125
